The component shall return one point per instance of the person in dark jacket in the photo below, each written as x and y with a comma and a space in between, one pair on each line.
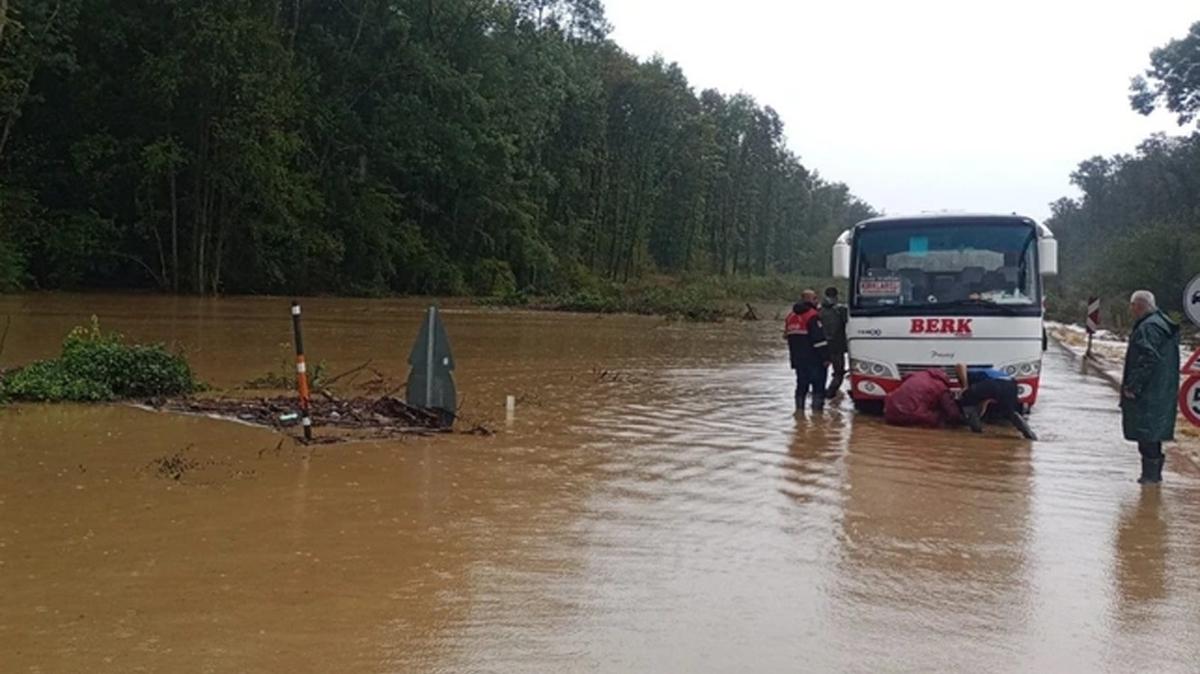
833, 319
1150, 384
808, 349
923, 399
990, 391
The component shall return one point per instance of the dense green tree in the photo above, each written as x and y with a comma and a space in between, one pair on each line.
1173, 79
375, 146
1135, 225
1137, 221
35, 38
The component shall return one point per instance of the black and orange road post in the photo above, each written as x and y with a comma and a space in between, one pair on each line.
301, 372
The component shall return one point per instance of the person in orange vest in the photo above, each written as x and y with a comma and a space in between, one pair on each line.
808, 349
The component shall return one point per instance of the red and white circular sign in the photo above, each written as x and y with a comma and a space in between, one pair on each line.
1189, 399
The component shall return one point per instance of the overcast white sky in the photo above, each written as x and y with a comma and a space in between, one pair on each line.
923, 104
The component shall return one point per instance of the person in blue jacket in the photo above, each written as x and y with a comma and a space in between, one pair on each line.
990, 391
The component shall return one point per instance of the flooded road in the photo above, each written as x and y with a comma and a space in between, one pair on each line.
655, 506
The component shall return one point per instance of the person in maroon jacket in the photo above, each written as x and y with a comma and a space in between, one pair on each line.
923, 399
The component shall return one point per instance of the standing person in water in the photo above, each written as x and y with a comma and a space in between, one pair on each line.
1150, 384
808, 349
833, 319
986, 390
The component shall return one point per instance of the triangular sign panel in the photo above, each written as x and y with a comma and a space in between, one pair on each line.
430, 381
1192, 366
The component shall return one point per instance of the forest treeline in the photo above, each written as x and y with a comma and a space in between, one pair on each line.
1137, 222
380, 146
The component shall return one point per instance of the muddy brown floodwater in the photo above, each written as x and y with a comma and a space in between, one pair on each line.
654, 507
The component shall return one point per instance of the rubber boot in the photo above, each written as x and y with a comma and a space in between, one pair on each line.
1023, 426
971, 415
818, 403
1151, 471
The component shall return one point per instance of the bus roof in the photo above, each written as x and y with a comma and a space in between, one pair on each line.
964, 218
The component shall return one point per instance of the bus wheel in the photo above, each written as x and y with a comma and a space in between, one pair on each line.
869, 406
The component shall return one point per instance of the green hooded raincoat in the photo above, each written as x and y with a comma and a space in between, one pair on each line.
1152, 376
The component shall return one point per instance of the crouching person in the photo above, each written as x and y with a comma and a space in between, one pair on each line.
989, 391
923, 399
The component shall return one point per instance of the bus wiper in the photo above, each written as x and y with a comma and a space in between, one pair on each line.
980, 302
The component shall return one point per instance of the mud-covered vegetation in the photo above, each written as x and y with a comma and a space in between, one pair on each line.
284, 375
97, 366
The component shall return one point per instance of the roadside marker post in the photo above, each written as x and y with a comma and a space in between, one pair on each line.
1093, 321
301, 372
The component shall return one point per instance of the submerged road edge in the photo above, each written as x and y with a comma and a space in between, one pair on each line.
1108, 368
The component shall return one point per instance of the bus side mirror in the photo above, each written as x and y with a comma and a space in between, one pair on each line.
1048, 256
841, 260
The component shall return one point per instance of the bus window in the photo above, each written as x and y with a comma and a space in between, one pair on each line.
925, 264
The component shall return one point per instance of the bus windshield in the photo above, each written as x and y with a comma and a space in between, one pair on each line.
926, 265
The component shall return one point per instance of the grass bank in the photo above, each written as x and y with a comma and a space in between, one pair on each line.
698, 298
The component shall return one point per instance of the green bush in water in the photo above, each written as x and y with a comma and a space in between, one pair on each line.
95, 366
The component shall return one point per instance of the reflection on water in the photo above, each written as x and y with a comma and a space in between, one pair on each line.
935, 535
654, 506
1141, 552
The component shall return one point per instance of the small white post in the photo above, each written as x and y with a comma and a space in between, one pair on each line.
510, 408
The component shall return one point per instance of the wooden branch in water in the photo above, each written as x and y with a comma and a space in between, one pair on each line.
336, 378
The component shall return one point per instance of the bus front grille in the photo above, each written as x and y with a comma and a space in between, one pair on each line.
909, 368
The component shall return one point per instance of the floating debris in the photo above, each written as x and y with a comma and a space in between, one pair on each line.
351, 419
174, 466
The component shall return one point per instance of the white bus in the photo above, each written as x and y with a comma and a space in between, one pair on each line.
930, 291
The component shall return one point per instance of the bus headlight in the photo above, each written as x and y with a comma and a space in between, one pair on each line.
1026, 369
871, 368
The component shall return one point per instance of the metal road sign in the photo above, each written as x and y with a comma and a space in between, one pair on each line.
1189, 400
1191, 300
1093, 315
431, 380
1192, 366
1189, 392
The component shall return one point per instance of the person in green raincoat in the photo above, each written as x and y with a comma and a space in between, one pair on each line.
1150, 385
